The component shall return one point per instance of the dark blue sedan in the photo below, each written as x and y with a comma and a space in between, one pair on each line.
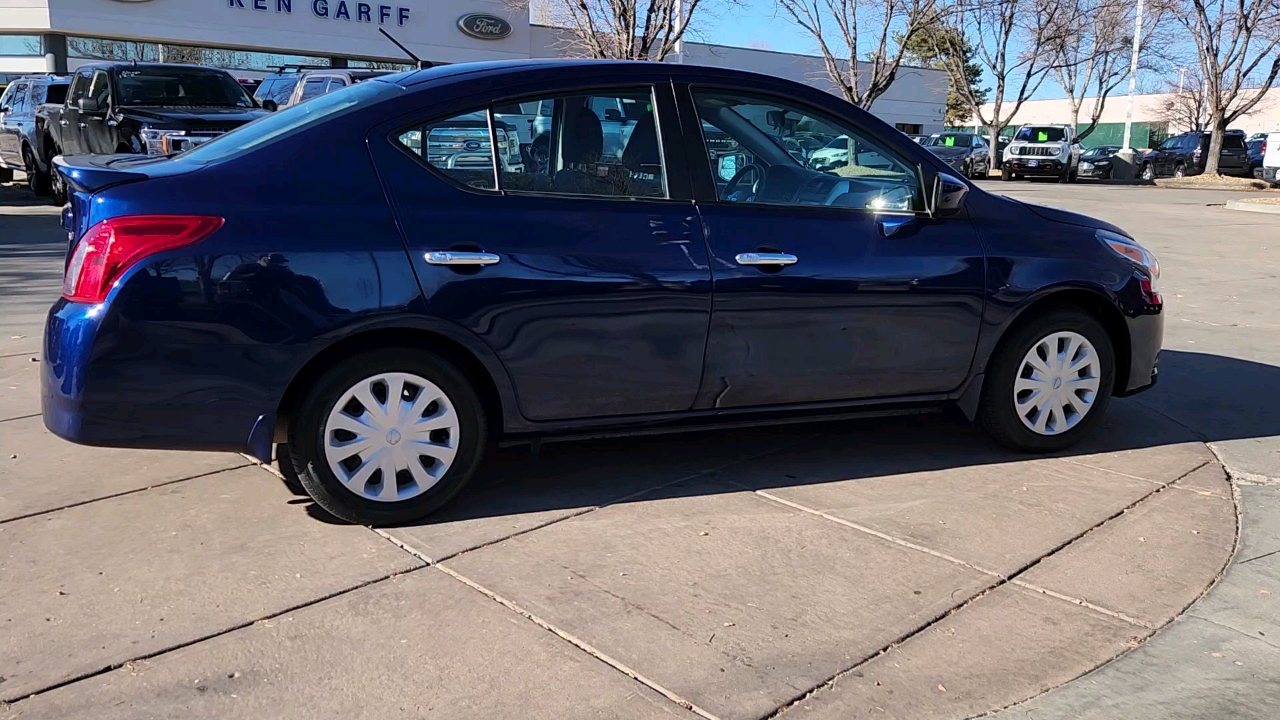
384, 279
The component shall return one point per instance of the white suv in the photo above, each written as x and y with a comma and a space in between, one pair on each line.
1271, 159
1042, 151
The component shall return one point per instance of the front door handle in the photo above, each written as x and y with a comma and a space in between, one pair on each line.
766, 258
64, 123
458, 257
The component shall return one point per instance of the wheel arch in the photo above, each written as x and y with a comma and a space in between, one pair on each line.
1091, 301
451, 349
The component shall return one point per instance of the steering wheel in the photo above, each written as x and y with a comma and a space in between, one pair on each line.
732, 187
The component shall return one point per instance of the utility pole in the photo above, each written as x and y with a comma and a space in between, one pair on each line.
1182, 74
1125, 153
679, 11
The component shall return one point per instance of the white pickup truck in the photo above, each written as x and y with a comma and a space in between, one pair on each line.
1271, 159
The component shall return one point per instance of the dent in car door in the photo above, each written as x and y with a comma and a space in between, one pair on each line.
595, 305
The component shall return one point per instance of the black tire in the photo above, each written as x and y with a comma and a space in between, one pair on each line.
57, 186
1065, 175
1147, 172
997, 413
1006, 174
1179, 170
306, 437
37, 181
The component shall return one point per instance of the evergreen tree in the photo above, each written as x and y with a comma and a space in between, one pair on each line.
932, 47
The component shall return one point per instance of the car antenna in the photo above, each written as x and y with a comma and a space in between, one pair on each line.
422, 64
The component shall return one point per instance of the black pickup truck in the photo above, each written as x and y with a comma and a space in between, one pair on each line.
143, 108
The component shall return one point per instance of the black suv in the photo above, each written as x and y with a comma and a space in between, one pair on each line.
1185, 154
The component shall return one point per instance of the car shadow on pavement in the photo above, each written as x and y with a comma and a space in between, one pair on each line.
1200, 397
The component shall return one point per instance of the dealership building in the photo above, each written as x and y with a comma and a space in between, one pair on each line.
251, 37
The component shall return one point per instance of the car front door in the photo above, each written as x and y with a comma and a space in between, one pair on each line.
829, 285
12, 107
96, 131
587, 276
69, 131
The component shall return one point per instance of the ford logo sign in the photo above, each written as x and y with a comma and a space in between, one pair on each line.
472, 145
484, 27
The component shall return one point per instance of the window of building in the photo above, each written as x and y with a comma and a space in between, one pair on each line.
90, 48
752, 141
458, 147
599, 145
910, 128
20, 45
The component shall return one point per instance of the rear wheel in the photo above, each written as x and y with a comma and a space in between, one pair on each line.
37, 181
1049, 383
388, 436
1148, 171
57, 186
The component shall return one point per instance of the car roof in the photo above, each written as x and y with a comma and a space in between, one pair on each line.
448, 74
116, 65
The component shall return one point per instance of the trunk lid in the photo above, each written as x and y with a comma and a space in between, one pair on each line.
87, 175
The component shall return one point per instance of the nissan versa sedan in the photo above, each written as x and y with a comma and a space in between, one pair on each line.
379, 312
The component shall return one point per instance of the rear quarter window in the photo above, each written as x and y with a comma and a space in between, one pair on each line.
56, 93
1233, 142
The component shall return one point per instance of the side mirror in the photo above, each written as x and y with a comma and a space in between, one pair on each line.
270, 105
948, 195
89, 106
612, 115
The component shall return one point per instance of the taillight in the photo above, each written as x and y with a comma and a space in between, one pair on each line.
1149, 292
112, 246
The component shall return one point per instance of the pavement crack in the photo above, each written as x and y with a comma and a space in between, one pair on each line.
121, 494
208, 636
1259, 557
19, 417
1084, 603
578, 643
1263, 640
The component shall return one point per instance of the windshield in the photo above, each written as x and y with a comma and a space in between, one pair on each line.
1101, 151
180, 87
950, 140
287, 122
1041, 134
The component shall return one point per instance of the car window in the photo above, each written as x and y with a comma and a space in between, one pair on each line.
852, 170
335, 83
287, 122
264, 89
458, 147
313, 87
950, 140
100, 88
80, 86
1233, 142
179, 86
598, 145
56, 93
280, 91
1041, 134
16, 98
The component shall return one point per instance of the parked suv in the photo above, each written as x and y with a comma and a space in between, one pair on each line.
1185, 154
1042, 151
1257, 151
18, 126
294, 85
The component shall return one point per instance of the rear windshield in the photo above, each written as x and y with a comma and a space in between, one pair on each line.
56, 93
284, 123
180, 87
1233, 142
1041, 134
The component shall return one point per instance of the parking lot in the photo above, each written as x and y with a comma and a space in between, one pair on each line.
901, 568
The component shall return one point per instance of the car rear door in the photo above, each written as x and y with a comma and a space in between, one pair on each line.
14, 105
829, 286
1235, 155
587, 277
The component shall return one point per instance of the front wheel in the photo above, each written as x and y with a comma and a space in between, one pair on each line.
388, 436
1005, 174
1148, 172
1179, 170
1049, 383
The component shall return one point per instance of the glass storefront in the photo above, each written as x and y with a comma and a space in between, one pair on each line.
85, 48
20, 45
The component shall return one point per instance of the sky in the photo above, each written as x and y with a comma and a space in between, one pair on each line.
759, 23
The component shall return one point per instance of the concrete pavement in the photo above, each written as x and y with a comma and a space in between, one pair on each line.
900, 568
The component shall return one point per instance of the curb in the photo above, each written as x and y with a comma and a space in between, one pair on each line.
1246, 206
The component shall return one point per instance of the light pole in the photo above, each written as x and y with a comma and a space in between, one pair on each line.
1126, 154
1182, 74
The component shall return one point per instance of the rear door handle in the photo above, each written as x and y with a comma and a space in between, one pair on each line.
64, 123
457, 257
760, 258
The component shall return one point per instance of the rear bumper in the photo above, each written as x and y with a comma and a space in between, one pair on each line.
1043, 167
1271, 174
105, 382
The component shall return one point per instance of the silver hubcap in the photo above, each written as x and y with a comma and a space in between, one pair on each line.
391, 436
1057, 383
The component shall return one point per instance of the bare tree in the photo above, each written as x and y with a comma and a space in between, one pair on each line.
1238, 45
1184, 108
1013, 42
1092, 59
620, 29
876, 32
